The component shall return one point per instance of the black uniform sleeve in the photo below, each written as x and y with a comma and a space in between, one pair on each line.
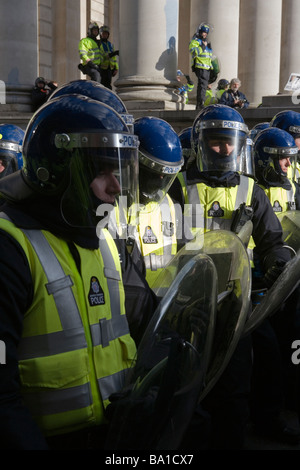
267, 232
17, 428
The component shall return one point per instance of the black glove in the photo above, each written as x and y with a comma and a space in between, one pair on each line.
112, 54
273, 273
92, 65
193, 69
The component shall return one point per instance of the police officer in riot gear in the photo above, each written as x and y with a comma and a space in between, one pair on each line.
11, 140
140, 300
218, 181
160, 159
62, 310
289, 121
201, 56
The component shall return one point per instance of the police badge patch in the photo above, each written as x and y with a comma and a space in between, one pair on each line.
96, 294
149, 236
277, 207
215, 210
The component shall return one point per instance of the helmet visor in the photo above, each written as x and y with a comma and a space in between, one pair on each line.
220, 146
100, 173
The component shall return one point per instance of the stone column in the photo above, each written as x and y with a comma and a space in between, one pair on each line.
260, 41
223, 16
18, 51
148, 38
290, 58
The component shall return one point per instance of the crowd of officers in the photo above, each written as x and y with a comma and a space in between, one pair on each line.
77, 295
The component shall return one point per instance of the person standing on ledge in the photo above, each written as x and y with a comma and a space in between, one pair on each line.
89, 53
109, 63
201, 55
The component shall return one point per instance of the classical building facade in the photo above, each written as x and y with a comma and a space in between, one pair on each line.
255, 40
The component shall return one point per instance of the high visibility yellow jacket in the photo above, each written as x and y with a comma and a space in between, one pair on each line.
281, 199
89, 50
75, 348
156, 232
201, 56
208, 208
108, 62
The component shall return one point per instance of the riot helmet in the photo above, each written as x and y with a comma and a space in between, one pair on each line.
160, 157
270, 146
97, 92
71, 144
287, 120
93, 25
39, 80
257, 128
11, 140
185, 137
222, 84
104, 29
202, 28
221, 137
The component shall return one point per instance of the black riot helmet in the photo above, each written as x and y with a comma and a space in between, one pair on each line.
69, 143
97, 92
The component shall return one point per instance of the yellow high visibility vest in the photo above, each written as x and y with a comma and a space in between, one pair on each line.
156, 232
209, 208
88, 49
75, 348
281, 199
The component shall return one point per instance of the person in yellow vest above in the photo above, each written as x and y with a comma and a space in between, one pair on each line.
223, 85
89, 53
62, 320
201, 60
155, 222
109, 65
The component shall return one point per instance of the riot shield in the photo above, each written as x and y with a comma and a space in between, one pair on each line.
231, 260
282, 288
162, 390
290, 222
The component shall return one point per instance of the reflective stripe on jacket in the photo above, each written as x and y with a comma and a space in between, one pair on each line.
212, 208
89, 50
107, 62
75, 347
201, 57
217, 206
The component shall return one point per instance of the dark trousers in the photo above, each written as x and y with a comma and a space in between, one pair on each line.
106, 76
228, 402
93, 73
203, 78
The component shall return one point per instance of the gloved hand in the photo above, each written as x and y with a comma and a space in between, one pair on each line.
92, 65
273, 273
193, 68
112, 54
